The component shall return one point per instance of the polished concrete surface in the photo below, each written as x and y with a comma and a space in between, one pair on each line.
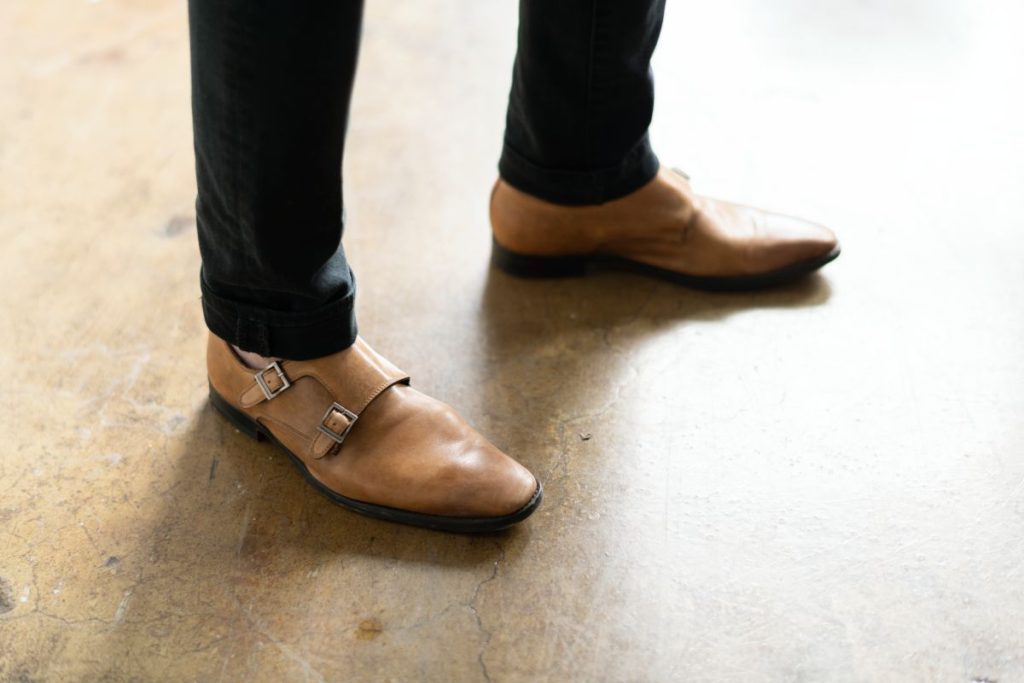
819, 483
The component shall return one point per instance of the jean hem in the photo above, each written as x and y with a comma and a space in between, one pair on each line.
301, 335
580, 188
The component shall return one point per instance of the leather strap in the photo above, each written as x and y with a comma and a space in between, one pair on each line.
353, 377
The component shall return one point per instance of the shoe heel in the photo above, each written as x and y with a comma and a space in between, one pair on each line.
240, 420
523, 265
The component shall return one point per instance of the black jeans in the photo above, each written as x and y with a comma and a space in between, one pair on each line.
271, 82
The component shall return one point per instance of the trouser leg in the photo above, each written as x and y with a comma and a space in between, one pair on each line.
581, 100
271, 83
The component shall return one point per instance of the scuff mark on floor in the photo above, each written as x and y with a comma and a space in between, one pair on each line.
6, 596
244, 530
122, 607
176, 225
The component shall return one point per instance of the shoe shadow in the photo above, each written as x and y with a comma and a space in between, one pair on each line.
610, 297
559, 353
254, 514
235, 555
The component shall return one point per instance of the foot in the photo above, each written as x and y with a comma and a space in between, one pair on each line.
663, 229
370, 442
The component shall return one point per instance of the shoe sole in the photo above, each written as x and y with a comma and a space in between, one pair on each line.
524, 265
467, 525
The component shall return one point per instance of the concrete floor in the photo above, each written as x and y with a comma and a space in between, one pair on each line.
821, 483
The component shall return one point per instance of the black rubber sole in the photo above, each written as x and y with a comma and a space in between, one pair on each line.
523, 265
466, 525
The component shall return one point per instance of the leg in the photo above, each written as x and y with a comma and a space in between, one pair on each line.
580, 185
581, 101
270, 97
271, 86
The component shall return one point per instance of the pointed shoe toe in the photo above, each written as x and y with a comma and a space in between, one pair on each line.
788, 242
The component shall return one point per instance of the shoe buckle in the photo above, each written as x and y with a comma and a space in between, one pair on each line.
337, 422
261, 380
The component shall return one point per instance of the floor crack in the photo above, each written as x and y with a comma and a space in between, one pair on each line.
476, 614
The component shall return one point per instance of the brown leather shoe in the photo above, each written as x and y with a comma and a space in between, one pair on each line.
663, 229
362, 436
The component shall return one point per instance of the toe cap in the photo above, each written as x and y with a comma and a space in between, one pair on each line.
787, 240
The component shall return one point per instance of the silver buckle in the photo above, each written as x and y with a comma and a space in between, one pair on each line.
352, 417
260, 380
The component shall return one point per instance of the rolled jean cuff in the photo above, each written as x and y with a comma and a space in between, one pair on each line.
580, 188
290, 335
